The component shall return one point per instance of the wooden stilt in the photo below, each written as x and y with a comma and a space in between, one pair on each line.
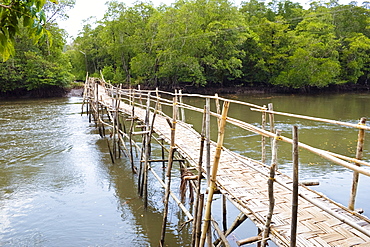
359, 154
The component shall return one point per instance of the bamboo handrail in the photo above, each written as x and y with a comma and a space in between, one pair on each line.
358, 126
322, 153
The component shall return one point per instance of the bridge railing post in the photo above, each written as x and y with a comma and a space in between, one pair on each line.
293, 229
270, 183
182, 110
212, 184
208, 138
359, 154
263, 138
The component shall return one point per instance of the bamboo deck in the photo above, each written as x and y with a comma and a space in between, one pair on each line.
244, 182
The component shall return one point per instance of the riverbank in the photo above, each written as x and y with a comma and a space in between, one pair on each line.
263, 89
77, 91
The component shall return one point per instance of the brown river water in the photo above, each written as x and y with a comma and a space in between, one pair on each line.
58, 186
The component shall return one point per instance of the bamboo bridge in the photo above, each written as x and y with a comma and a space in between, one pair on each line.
284, 210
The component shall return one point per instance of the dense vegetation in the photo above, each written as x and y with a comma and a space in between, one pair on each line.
188, 43
32, 46
212, 42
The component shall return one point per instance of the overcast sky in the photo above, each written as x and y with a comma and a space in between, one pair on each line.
85, 8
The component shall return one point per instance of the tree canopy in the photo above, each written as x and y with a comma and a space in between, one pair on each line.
213, 42
17, 13
36, 46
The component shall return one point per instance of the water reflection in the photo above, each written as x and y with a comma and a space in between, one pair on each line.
59, 188
55, 184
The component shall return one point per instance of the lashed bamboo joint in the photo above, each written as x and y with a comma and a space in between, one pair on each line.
243, 181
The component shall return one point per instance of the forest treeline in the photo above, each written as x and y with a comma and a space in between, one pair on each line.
209, 43
213, 42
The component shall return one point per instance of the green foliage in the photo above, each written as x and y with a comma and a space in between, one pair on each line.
209, 42
16, 13
36, 66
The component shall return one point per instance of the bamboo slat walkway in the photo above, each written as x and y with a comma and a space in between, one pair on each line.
244, 182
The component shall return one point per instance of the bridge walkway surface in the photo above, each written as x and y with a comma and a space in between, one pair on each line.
321, 221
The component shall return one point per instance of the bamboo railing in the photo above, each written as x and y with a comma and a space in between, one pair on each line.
156, 100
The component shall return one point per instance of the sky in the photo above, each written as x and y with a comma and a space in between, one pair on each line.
85, 8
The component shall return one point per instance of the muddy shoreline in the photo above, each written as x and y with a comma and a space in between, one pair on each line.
78, 91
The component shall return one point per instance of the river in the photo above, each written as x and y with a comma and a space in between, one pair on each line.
58, 186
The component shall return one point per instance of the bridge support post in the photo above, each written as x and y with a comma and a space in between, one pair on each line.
197, 222
132, 102
169, 168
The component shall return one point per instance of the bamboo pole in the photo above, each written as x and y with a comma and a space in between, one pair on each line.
224, 213
263, 138
237, 222
220, 234
132, 101
147, 153
114, 126
270, 183
179, 109
271, 117
110, 151
199, 178
293, 231
162, 153
249, 240
359, 154
275, 147
169, 168
364, 127
218, 108
182, 108
208, 139
199, 219
212, 185
174, 197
